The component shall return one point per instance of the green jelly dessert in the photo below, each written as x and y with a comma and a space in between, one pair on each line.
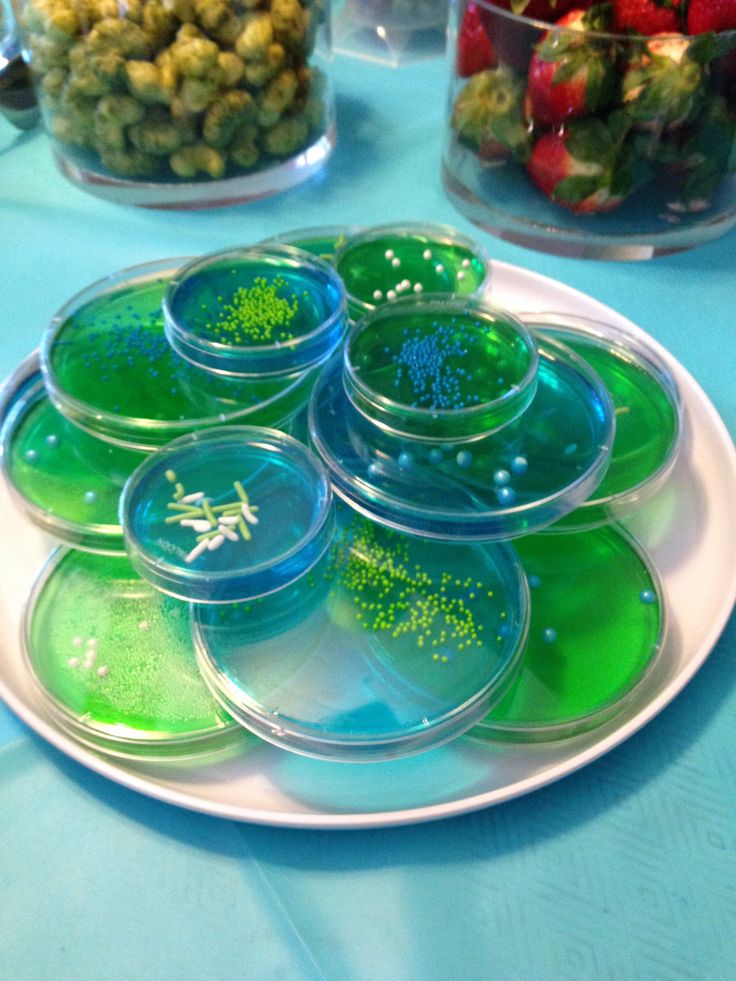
110, 369
65, 480
113, 658
647, 409
596, 630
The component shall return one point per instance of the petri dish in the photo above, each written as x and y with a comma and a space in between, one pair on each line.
513, 482
109, 369
114, 661
391, 261
228, 514
321, 240
648, 413
262, 311
445, 370
67, 482
597, 628
390, 646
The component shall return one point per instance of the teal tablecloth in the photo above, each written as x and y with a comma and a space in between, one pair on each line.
623, 870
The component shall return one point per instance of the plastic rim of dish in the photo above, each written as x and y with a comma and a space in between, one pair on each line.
442, 353
392, 646
269, 310
67, 482
516, 481
113, 661
439, 259
613, 352
597, 631
194, 399
225, 515
321, 240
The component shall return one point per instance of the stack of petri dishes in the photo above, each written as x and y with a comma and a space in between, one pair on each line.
322, 490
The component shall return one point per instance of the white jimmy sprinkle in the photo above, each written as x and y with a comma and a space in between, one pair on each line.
198, 524
215, 542
197, 550
228, 533
192, 498
248, 514
228, 519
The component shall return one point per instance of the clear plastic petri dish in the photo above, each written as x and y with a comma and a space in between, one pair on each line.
321, 240
390, 646
646, 403
255, 312
224, 515
114, 662
109, 369
513, 482
65, 481
390, 261
597, 629
444, 370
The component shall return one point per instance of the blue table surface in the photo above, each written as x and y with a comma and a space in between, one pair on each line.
623, 870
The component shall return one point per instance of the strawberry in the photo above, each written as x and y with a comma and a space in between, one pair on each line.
474, 50
487, 115
711, 15
585, 167
663, 86
647, 16
570, 75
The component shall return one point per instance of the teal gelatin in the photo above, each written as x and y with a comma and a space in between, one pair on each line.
110, 369
115, 662
267, 310
67, 482
440, 369
518, 480
647, 409
389, 646
227, 514
596, 629
392, 261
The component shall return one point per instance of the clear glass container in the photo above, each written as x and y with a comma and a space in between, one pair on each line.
183, 104
578, 141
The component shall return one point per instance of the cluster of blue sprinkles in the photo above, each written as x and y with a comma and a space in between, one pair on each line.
425, 361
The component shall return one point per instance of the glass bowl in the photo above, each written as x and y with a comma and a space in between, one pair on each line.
579, 141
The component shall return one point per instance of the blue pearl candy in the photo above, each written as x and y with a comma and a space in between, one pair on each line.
435, 456
647, 596
464, 459
52, 439
501, 478
31, 456
90, 497
506, 495
534, 581
405, 460
549, 635
519, 464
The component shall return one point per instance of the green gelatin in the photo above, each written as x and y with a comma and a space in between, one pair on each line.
68, 481
440, 370
110, 367
115, 659
647, 428
379, 267
596, 628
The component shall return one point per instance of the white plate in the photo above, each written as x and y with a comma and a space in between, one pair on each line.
683, 529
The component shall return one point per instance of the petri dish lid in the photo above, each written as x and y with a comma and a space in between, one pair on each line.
320, 240
518, 480
109, 369
67, 482
266, 310
390, 261
227, 514
391, 646
597, 629
648, 411
114, 662
444, 370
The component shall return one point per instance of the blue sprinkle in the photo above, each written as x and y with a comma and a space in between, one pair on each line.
534, 581
506, 495
435, 456
464, 459
501, 478
374, 470
31, 456
52, 439
647, 596
570, 449
519, 464
549, 635
405, 460
90, 497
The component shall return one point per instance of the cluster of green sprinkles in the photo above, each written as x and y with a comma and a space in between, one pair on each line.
212, 523
392, 596
257, 314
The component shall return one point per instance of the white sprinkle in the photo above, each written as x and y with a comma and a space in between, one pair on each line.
228, 533
144, 624
391, 295
466, 263
232, 519
103, 671
88, 663
427, 254
248, 514
377, 295
197, 550
418, 287
389, 253
199, 524
191, 498
406, 283
73, 662
400, 287
77, 642
396, 262
91, 643
215, 543
460, 274
439, 268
